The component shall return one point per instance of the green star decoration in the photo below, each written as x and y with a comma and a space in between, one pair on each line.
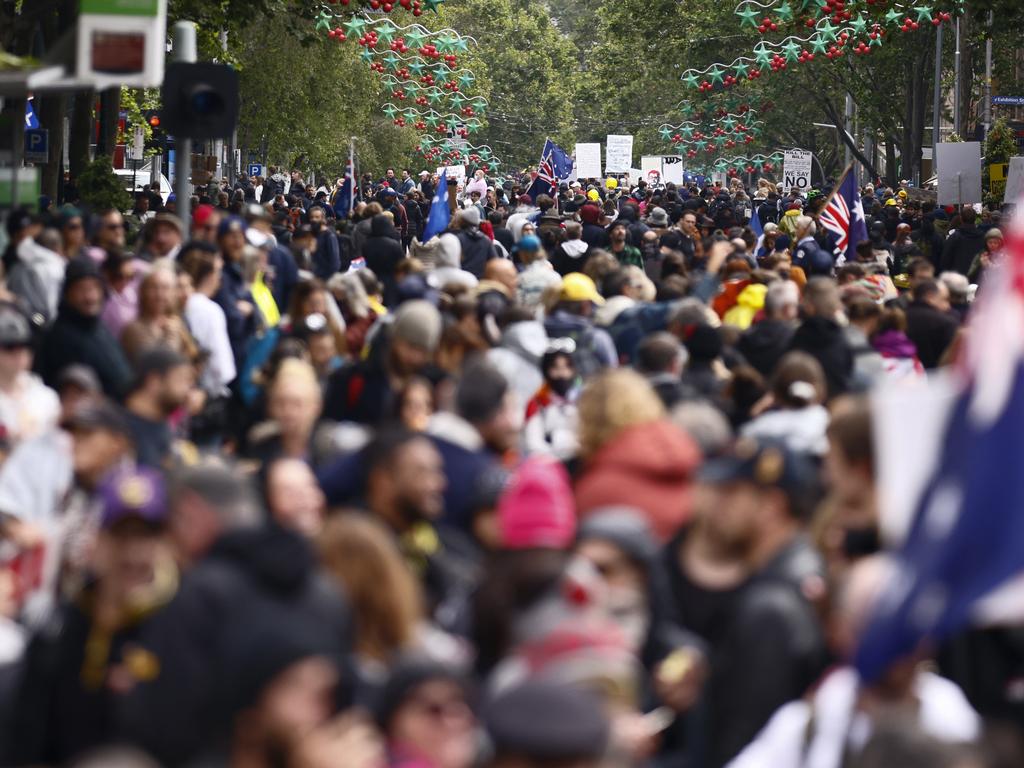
748, 16
875, 41
762, 55
466, 80
892, 16
828, 31
390, 110
720, 140
741, 68
436, 96
792, 50
324, 21
924, 14
411, 115
686, 131
433, 119
417, 67
716, 73
784, 12
354, 27
453, 123
432, 5
458, 100
859, 25
666, 132
440, 72
445, 43
461, 45
366, 55
385, 31
701, 145
818, 44
728, 122
690, 79
415, 38
392, 62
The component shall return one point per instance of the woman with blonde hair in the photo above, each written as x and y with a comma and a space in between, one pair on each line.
159, 322
386, 599
632, 454
294, 402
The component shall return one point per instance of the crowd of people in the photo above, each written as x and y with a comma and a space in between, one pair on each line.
585, 480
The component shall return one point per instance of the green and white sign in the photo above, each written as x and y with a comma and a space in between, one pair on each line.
122, 7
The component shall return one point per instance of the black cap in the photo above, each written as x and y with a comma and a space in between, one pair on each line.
14, 327
626, 528
19, 220
80, 268
546, 721
407, 675
769, 464
99, 415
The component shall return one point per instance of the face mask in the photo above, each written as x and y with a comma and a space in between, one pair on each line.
316, 226
560, 386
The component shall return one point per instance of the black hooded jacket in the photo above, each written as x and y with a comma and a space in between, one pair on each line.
961, 248
823, 339
250, 577
382, 251
77, 339
764, 343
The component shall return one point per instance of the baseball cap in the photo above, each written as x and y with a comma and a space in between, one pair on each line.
231, 224
578, 287
14, 327
133, 492
202, 214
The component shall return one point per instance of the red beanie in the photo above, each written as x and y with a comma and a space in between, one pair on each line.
537, 510
590, 214
201, 215
487, 229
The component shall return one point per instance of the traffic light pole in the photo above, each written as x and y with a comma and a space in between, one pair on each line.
184, 51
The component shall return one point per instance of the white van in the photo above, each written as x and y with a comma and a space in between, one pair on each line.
141, 179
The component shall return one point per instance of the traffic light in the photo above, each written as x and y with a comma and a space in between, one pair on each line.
200, 101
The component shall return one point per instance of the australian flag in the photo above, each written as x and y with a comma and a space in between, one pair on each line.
437, 219
963, 549
555, 166
843, 216
343, 199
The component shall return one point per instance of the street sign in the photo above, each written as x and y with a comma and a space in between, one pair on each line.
137, 151
1011, 101
796, 170
255, 169
37, 145
121, 42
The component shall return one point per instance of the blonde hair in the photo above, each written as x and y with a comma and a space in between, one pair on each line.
612, 402
359, 552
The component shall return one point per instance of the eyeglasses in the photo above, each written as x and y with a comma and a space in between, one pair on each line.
566, 345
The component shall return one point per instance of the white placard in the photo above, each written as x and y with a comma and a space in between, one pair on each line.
719, 178
457, 172
796, 170
672, 169
588, 161
1014, 181
959, 169
137, 150
650, 166
618, 153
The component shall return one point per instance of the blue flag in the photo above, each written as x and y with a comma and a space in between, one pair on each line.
437, 220
343, 198
31, 121
555, 166
755, 222
965, 538
843, 216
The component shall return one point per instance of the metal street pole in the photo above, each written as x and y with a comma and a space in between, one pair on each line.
848, 127
988, 79
956, 82
184, 51
937, 93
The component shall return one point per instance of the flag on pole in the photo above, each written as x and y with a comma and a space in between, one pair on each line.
962, 489
555, 166
344, 197
31, 121
437, 219
843, 215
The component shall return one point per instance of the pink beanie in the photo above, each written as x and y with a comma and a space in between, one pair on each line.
537, 510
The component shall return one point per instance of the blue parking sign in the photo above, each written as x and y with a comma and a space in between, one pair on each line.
37, 145
255, 169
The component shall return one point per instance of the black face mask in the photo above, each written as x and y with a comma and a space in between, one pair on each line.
560, 386
316, 226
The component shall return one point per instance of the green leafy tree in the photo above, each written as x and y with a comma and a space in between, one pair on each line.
100, 187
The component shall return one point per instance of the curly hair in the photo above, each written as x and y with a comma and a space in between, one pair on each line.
612, 402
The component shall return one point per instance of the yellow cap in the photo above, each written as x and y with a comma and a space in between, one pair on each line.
594, 195
891, 201
578, 287
611, 183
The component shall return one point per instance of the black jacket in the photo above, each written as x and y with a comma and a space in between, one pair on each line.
75, 338
931, 330
248, 575
477, 250
595, 236
327, 259
764, 343
961, 248
823, 339
382, 251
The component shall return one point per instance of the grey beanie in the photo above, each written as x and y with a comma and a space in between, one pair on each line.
418, 323
470, 216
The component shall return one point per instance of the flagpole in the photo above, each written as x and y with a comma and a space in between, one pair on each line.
352, 174
838, 184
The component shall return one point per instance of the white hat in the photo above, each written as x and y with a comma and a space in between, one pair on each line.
424, 173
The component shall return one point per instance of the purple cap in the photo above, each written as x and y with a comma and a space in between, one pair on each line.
131, 491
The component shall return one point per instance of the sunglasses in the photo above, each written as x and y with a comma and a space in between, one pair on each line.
566, 345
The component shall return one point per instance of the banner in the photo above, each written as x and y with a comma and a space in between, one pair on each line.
959, 169
618, 153
796, 170
588, 161
672, 169
457, 172
1014, 181
650, 166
